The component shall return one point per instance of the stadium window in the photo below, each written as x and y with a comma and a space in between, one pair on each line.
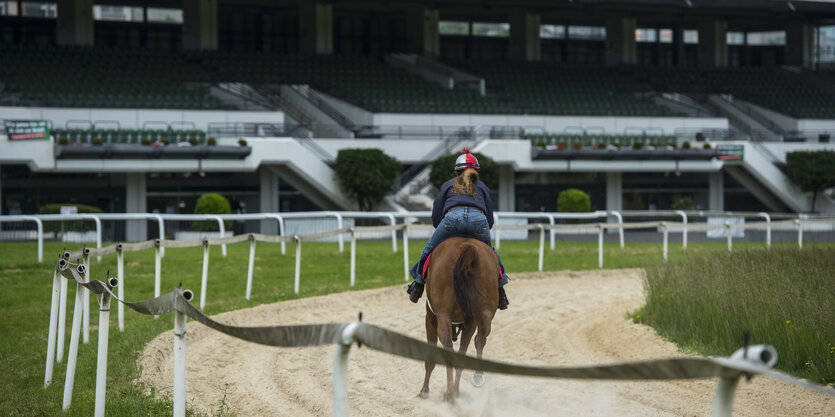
39, 9
665, 35
8, 8
491, 29
589, 33
736, 38
691, 36
117, 13
767, 38
157, 15
453, 28
645, 35
551, 31
826, 44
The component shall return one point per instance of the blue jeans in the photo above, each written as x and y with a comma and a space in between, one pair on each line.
458, 221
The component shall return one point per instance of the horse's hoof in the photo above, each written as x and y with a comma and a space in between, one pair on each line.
477, 380
423, 395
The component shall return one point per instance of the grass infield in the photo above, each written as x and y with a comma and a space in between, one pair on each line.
26, 292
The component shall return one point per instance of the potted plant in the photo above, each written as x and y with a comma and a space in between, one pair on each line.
145, 141
601, 144
165, 141
97, 141
193, 141
242, 142
539, 144
211, 141
652, 145
577, 144
685, 145
638, 145
63, 140
561, 145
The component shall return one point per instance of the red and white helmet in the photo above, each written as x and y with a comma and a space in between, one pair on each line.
466, 160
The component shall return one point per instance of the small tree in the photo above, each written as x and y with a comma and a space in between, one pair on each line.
367, 175
683, 203
443, 168
573, 200
211, 203
812, 171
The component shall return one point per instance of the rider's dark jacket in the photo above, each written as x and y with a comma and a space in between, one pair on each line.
447, 199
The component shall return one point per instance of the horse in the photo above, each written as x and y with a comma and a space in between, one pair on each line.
461, 289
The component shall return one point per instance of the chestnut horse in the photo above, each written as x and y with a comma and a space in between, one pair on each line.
461, 289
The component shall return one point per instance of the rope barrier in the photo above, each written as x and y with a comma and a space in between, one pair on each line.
384, 340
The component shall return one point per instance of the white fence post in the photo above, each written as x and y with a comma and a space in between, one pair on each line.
684, 228
101, 358
251, 266
340, 371
553, 231
157, 269
161, 227
353, 255
53, 327
222, 228
799, 224
541, 246
86, 322
599, 245
666, 232
120, 275
204, 282
180, 359
39, 225
78, 312
497, 232
393, 222
405, 252
767, 229
730, 236
62, 320
620, 223
298, 262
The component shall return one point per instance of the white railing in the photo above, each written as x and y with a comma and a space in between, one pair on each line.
747, 361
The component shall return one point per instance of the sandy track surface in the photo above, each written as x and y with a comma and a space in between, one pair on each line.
555, 319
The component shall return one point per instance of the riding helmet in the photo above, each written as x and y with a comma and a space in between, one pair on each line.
466, 160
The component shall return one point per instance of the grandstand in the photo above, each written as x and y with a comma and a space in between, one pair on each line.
301, 80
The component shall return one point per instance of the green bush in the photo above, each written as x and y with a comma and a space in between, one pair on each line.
211, 141
812, 171
367, 175
241, 141
573, 200
211, 203
443, 169
74, 225
683, 203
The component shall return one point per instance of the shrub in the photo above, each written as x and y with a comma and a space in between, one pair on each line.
165, 141
242, 142
367, 175
75, 225
56, 208
541, 144
97, 141
211, 141
443, 169
637, 145
684, 203
145, 141
812, 171
573, 200
211, 203
63, 140
192, 141
602, 144
685, 145
577, 144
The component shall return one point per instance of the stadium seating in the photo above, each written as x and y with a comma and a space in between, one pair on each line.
127, 136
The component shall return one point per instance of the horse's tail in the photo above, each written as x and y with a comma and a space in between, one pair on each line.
462, 281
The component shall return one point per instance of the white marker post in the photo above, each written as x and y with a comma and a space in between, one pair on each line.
204, 283
86, 293
298, 262
406, 252
78, 311
120, 276
730, 237
180, 359
541, 246
340, 371
599, 245
157, 269
249, 270
666, 231
799, 225
101, 358
62, 315
53, 327
353, 255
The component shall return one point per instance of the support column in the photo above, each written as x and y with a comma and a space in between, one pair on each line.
75, 23
136, 202
524, 37
422, 31
713, 43
268, 199
620, 41
614, 191
678, 45
800, 44
507, 188
200, 25
716, 191
315, 28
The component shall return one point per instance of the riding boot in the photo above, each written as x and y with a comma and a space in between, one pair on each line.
502, 299
415, 290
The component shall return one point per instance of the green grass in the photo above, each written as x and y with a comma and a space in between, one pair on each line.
26, 292
783, 297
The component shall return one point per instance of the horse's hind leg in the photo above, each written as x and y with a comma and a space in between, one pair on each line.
481, 339
432, 339
445, 336
466, 336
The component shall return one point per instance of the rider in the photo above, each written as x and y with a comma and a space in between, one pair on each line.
463, 207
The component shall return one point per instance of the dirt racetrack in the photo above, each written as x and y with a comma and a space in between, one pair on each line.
554, 319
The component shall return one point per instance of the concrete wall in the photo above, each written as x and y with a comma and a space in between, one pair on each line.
554, 124
816, 124
134, 119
